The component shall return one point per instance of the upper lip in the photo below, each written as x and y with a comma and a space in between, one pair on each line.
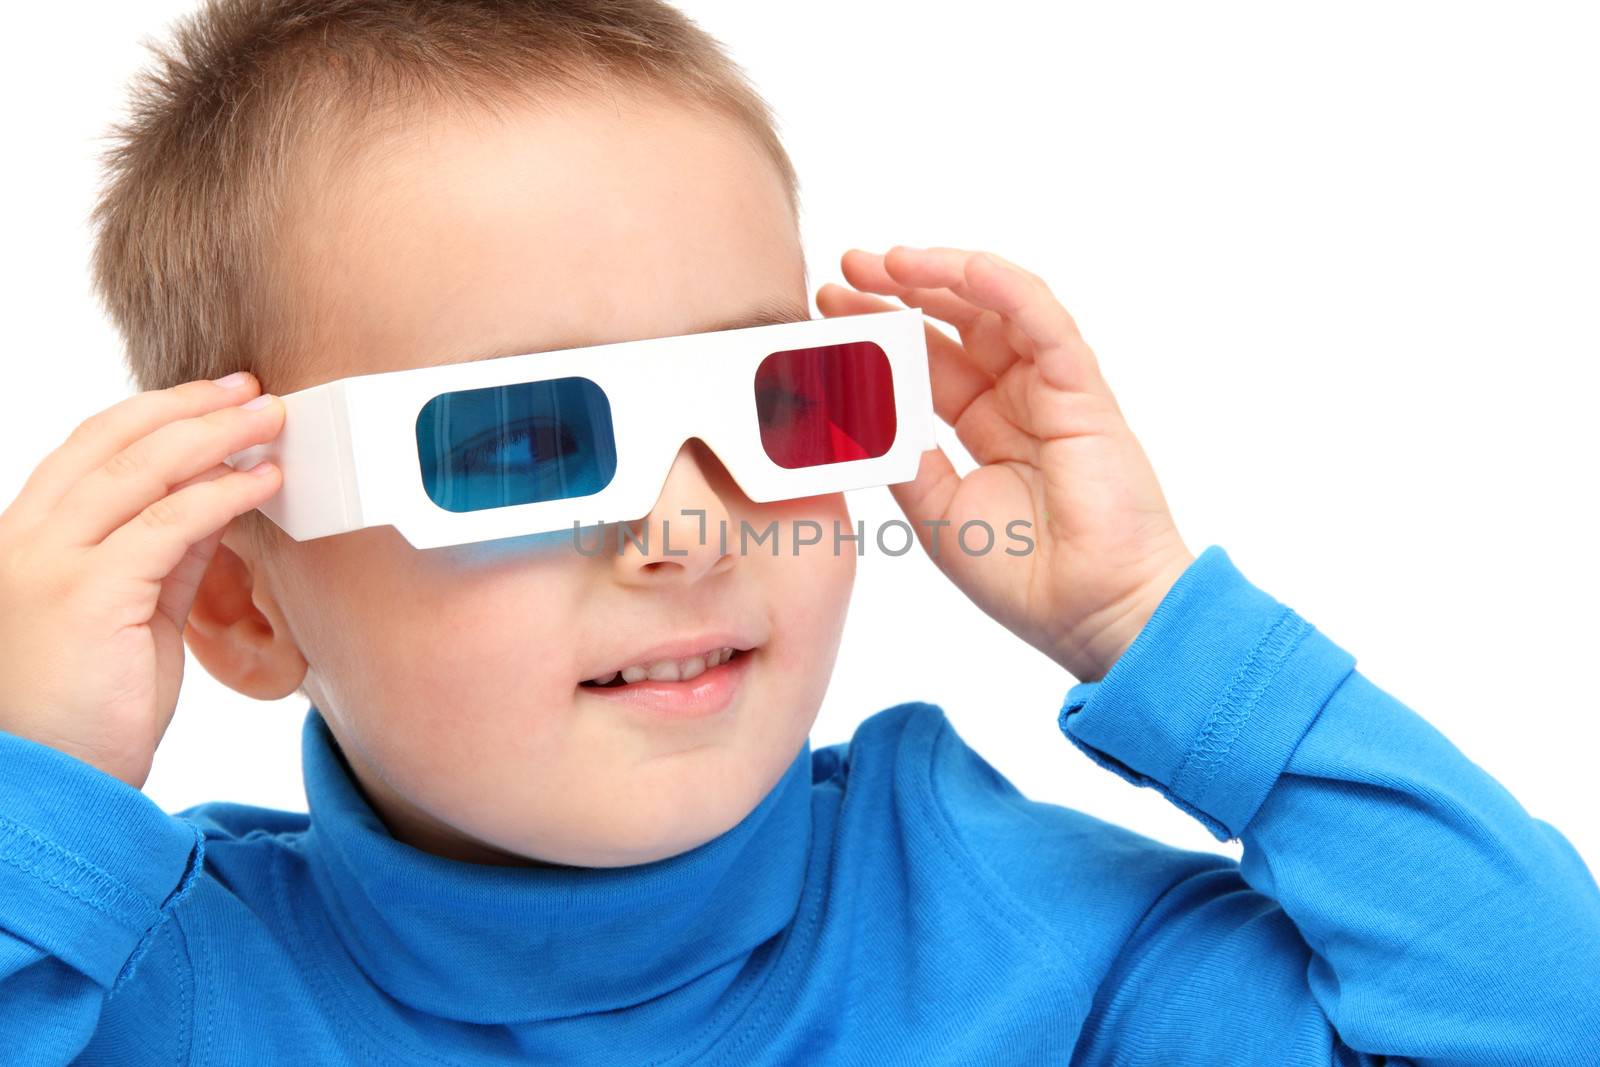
677, 649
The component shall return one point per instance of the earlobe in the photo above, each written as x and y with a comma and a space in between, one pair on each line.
238, 643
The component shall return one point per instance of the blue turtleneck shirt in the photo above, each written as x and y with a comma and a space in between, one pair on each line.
892, 900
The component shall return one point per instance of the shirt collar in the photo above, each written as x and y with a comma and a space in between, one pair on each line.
486, 943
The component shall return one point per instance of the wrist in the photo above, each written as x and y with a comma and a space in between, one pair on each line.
1115, 627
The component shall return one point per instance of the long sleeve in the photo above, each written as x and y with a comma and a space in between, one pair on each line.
90, 869
1434, 921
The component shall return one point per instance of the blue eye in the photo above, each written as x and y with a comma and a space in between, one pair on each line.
532, 446
535, 457
516, 444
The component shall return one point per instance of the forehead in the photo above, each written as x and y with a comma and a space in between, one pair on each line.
456, 236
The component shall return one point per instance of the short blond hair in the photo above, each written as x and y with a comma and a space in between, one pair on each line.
196, 174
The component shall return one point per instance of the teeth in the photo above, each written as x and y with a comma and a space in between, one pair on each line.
669, 670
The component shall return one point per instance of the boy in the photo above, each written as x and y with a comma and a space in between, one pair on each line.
504, 862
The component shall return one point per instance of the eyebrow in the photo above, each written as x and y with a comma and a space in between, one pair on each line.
767, 313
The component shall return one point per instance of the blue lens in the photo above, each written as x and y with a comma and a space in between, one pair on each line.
516, 444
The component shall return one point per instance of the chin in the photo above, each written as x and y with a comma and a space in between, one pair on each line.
659, 831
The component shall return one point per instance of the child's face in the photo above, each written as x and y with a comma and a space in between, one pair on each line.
451, 676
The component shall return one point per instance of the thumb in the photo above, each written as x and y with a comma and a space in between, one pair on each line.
926, 498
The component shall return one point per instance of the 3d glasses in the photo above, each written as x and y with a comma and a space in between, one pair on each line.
528, 444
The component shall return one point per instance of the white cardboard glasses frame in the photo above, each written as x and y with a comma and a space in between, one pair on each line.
348, 448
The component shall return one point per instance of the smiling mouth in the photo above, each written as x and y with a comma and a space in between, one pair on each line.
685, 669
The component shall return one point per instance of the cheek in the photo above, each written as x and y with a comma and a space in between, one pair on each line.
445, 654
809, 592
522, 550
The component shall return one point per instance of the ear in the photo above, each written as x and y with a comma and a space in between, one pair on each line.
236, 629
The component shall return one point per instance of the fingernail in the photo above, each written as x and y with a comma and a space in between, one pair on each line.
234, 380
259, 402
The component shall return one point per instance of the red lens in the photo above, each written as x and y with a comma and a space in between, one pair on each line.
826, 404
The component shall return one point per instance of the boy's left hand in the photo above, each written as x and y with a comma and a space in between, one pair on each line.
1025, 396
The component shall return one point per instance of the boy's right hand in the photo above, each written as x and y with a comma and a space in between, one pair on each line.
100, 557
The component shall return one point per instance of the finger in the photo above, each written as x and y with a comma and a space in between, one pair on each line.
1063, 358
149, 468
989, 339
183, 584
105, 433
865, 270
954, 382
150, 546
984, 416
842, 301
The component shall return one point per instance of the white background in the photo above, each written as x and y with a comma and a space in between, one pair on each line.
1339, 264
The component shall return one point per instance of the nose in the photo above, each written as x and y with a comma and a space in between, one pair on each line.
686, 535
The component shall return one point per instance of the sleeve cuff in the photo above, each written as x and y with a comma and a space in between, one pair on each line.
1208, 703
89, 865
